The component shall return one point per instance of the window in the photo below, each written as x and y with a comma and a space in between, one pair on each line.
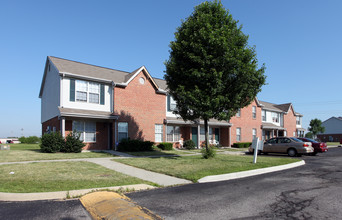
86, 129
173, 133
254, 132
171, 103
298, 120
238, 134
158, 132
263, 115
238, 114
122, 130
202, 132
275, 117
86, 92
254, 111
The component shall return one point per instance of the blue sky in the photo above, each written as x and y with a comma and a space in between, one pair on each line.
298, 40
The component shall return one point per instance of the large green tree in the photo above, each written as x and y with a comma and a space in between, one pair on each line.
316, 127
211, 71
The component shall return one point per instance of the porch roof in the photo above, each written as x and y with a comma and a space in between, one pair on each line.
180, 121
301, 129
266, 125
81, 113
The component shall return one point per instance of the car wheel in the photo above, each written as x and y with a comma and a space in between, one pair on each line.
292, 152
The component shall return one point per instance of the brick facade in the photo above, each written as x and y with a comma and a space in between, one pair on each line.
246, 122
140, 106
53, 123
290, 123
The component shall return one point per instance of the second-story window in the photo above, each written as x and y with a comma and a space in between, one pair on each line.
263, 115
89, 92
275, 117
298, 120
254, 111
171, 103
238, 114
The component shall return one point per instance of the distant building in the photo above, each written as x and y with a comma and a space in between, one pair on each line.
333, 130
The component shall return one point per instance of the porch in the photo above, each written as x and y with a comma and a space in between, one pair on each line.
270, 130
178, 130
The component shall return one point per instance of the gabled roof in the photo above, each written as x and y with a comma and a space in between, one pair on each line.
91, 72
284, 108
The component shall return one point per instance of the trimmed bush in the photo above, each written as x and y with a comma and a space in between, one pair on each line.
211, 153
242, 145
189, 145
72, 144
29, 140
135, 145
52, 143
165, 146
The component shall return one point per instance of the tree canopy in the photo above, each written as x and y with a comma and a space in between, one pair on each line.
316, 127
211, 71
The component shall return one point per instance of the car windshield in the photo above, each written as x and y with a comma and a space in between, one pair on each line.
296, 140
311, 140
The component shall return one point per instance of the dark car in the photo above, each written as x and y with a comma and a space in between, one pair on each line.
319, 147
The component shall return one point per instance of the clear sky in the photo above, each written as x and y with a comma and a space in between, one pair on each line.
298, 40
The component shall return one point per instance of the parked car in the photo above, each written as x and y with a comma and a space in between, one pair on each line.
319, 147
287, 145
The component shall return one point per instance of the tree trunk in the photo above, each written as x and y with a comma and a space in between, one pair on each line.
206, 134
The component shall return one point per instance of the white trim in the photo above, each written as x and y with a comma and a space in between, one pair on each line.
71, 75
78, 115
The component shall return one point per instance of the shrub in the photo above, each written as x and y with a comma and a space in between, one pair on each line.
242, 145
135, 145
208, 154
72, 144
52, 143
29, 140
165, 146
189, 145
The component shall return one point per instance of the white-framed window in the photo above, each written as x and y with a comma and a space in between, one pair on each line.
173, 133
298, 121
122, 130
254, 132
275, 117
263, 115
86, 129
238, 114
171, 105
202, 132
158, 133
294, 134
87, 91
238, 134
254, 111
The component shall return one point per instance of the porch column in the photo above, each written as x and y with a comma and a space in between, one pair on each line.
199, 135
229, 137
63, 127
115, 134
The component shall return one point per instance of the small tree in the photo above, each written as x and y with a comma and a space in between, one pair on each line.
52, 142
73, 144
316, 127
211, 71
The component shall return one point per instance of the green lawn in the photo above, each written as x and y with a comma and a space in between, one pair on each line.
194, 167
60, 176
30, 152
333, 143
157, 152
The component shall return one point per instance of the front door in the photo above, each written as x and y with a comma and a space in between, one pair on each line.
194, 135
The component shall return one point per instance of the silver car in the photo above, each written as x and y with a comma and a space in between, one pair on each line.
287, 145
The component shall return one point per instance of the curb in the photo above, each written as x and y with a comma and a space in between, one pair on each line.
249, 173
15, 197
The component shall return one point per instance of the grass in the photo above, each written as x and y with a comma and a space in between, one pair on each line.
30, 152
194, 167
157, 152
60, 176
333, 143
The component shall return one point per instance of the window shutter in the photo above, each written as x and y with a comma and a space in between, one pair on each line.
102, 95
168, 103
72, 90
